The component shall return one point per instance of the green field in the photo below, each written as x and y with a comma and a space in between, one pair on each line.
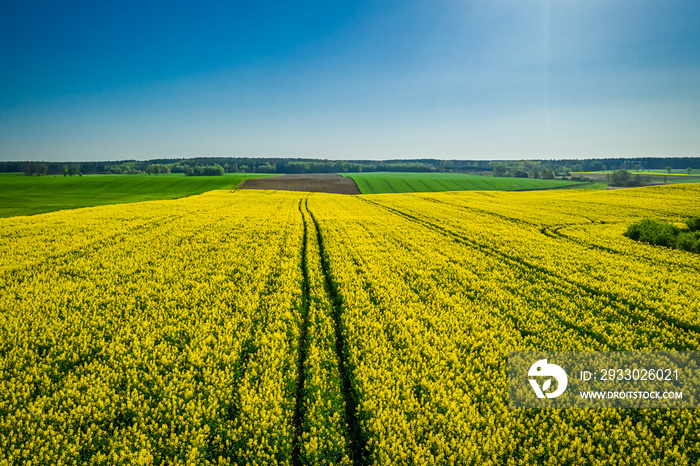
399, 182
654, 171
674, 171
24, 195
651, 176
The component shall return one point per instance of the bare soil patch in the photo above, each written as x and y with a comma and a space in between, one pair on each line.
314, 182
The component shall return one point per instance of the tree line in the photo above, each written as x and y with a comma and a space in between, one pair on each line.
207, 166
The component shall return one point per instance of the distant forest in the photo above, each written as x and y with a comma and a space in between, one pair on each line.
212, 166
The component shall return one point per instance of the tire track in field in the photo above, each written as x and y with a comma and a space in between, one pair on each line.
356, 440
601, 339
475, 210
612, 299
303, 347
553, 231
516, 323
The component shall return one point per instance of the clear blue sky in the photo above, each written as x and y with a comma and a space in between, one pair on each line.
487, 79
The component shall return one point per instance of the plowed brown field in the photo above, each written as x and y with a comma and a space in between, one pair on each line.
315, 182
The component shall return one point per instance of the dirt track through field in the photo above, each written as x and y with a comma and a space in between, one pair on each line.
315, 183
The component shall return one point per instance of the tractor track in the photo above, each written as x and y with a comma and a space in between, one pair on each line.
356, 440
613, 300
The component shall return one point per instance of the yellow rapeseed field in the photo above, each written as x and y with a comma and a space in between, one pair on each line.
254, 327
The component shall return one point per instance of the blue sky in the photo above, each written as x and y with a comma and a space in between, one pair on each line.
491, 79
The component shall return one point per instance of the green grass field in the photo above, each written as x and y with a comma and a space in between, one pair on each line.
23, 195
674, 171
651, 176
658, 171
390, 182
